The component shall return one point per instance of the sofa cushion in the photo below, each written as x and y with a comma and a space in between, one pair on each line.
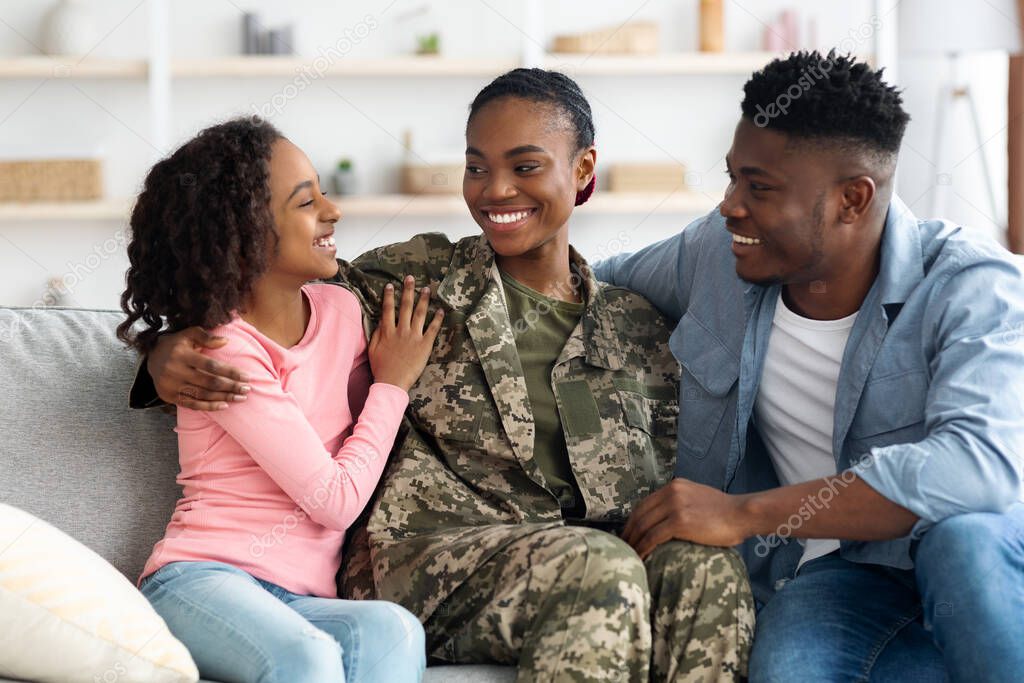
72, 452
56, 595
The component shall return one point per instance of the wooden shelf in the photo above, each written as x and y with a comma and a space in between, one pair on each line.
262, 66
682, 63
98, 210
252, 67
682, 203
695, 63
72, 67
686, 63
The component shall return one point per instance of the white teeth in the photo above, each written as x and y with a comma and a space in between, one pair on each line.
745, 240
324, 242
507, 217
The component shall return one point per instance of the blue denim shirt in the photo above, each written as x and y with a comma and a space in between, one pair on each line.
930, 401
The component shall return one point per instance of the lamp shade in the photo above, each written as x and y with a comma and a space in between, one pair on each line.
954, 26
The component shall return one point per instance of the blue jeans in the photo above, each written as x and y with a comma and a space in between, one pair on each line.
240, 629
957, 615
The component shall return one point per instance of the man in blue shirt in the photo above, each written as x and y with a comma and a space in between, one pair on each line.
852, 396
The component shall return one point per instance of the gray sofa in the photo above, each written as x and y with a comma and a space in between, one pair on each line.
72, 453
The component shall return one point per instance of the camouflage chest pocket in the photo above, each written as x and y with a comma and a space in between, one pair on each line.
652, 415
450, 400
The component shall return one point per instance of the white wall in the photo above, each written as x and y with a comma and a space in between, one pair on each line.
689, 118
956, 172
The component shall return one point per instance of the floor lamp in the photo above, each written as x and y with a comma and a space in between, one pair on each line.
955, 29
956, 93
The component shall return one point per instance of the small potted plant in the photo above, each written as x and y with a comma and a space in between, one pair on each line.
344, 178
428, 44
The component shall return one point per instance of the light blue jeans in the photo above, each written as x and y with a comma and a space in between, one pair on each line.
958, 615
240, 629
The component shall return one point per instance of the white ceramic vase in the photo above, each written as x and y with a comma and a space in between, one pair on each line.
69, 29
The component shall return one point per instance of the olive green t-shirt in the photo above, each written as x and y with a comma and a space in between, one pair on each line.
542, 326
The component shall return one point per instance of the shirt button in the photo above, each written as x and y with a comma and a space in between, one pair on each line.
780, 584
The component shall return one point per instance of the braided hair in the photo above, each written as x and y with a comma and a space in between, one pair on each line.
549, 87
201, 232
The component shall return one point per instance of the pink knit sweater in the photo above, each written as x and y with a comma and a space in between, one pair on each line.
271, 484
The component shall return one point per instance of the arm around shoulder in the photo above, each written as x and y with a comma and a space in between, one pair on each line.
272, 427
662, 272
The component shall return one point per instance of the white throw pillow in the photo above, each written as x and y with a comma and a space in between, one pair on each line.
67, 615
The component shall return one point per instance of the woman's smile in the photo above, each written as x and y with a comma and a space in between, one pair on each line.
506, 218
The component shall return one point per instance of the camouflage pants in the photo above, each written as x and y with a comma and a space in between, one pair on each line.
578, 604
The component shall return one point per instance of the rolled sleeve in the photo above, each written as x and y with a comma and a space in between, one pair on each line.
943, 475
972, 457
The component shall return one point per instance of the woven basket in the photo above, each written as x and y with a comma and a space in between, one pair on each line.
646, 177
432, 179
635, 38
48, 180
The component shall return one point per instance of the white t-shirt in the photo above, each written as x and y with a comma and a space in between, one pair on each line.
795, 405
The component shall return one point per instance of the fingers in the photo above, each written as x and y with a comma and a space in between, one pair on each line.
419, 316
408, 298
655, 536
640, 522
195, 398
227, 372
205, 372
387, 308
193, 392
211, 384
636, 517
222, 397
435, 326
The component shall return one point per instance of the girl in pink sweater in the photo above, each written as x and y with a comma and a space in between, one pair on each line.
225, 235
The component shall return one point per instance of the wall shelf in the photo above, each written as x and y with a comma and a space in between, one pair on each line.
696, 63
98, 210
72, 67
683, 202
680, 63
409, 66
683, 63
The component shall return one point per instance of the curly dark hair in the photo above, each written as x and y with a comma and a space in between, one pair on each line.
811, 96
538, 85
201, 230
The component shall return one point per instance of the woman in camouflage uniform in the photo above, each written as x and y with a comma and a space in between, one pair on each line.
548, 409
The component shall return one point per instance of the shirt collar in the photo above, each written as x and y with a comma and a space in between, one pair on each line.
901, 267
473, 269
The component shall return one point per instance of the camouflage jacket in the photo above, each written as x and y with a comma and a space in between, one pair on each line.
463, 482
